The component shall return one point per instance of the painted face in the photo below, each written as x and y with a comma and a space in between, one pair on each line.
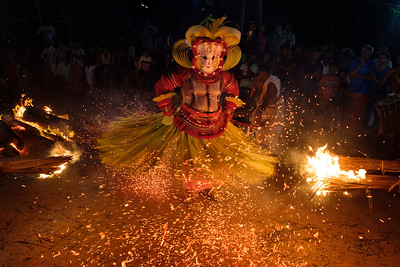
208, 55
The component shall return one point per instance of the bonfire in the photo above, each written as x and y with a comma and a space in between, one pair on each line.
35, 140
327, 174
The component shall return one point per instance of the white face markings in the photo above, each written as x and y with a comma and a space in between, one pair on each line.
209, 55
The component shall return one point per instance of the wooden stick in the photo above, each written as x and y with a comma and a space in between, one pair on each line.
356, 163
29, 165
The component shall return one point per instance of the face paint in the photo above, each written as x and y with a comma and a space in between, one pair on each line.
208, 55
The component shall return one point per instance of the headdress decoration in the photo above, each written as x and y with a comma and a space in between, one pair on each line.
214, 30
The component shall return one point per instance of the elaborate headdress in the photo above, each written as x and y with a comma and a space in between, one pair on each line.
219, 40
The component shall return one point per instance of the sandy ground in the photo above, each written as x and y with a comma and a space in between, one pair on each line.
84, 218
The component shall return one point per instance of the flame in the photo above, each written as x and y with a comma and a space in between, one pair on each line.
325, 170
60, 170
58, 149
48, 109
20, 108
22, 152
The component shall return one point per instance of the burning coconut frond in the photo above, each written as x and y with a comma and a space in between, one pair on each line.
48, 124
48, 165
41, 139
326, 174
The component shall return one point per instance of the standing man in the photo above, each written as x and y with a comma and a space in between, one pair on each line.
269, 108
274, 42
362, 82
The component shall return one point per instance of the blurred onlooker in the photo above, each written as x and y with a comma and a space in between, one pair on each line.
345, 58
327, 89
288, 38
327, 58
77, 69
249, 42
248, 71
285, 70
340, 99
274, 42
362, 77
47, 32
169, 63
310, 72
261, 42
62, 59
145, 69
49, 64
383, 50
382, 68
393, 76
147, 37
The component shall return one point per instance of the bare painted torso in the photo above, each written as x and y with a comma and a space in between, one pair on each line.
200, 96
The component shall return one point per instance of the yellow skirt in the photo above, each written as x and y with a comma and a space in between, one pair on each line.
138, 144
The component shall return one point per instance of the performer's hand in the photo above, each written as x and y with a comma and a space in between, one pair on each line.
168, 120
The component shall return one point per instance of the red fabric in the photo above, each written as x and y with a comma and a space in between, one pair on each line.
167, 107
231, 85
230, 106
201, 125
198, 124
329, 84
168, 82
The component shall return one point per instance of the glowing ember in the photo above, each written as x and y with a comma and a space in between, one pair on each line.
48, 109
60, 170
22, 152
326, 173
20, 109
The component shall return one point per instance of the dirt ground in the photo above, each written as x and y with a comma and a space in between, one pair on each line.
84, 218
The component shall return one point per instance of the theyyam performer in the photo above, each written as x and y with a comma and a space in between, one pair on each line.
197, 138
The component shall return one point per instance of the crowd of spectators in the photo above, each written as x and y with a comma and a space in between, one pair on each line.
337, 86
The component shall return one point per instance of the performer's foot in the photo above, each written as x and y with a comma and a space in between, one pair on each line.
208, 194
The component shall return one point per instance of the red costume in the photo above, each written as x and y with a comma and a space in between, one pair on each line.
209, 148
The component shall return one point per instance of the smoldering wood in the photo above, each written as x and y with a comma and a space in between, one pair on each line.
6, 133
369, 164
44, 120
6, 150
32, 165
36, 144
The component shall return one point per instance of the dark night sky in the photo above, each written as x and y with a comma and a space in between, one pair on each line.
351, 23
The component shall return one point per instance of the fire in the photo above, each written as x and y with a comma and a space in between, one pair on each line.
326, 173
58, 149
48, 109
60, 170
22, 152
20, 108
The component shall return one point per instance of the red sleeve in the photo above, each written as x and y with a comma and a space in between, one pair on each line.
231, 88
166, 84
231, 85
